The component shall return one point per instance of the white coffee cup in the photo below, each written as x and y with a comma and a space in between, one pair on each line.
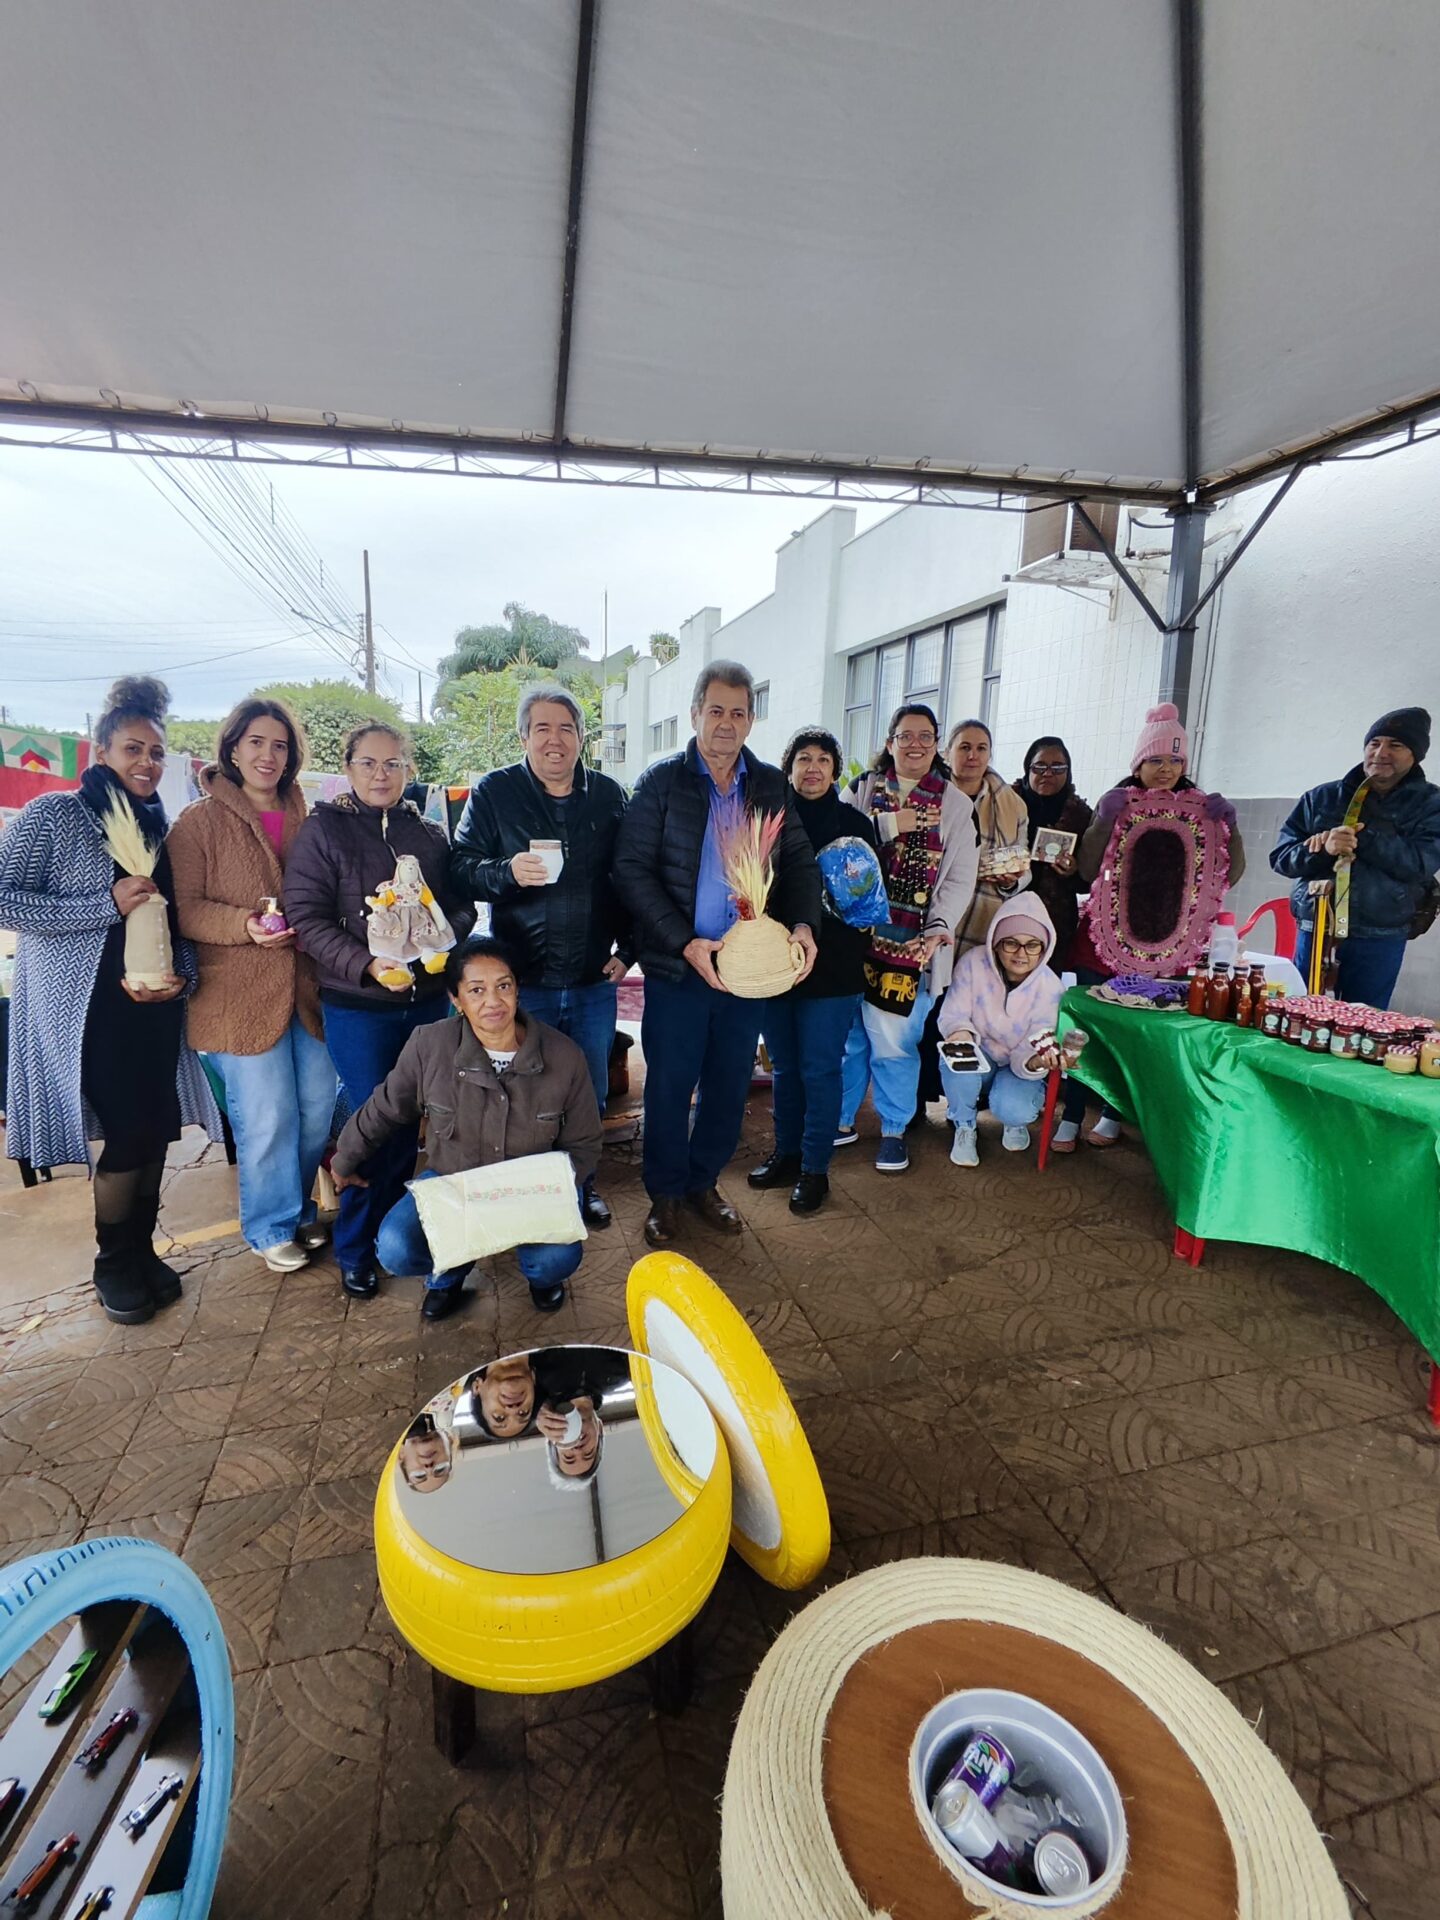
553, 854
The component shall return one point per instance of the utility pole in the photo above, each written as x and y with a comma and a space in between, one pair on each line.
369, 630
420, 695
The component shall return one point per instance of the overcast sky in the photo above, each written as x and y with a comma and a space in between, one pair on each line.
100, 574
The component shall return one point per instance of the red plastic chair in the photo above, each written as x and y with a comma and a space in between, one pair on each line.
1285, 931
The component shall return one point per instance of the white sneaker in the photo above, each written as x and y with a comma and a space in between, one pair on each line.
964, 1152
1015, 1139
287, 1257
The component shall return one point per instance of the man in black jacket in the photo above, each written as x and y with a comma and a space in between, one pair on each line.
555, 907
668, 870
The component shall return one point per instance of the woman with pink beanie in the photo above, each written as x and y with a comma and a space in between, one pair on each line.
1159, 763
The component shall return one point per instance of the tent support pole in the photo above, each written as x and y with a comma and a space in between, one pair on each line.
584, 57
1182, 594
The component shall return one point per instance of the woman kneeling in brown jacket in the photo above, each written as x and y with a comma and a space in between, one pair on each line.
493, 1085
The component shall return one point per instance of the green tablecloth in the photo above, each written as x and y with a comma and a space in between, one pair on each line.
1254, 1140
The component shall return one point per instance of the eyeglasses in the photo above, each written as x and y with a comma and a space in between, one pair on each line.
914, 739
1048, 766
1032, 948
421, 1476
1163, 760
391, 767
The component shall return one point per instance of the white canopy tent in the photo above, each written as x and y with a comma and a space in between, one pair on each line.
1133, 247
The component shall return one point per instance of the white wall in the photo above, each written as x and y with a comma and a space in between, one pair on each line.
920, 565
1331, 617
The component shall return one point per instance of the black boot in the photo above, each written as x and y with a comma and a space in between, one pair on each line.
163, 1281
780, 1170
123, 1291
810, 1192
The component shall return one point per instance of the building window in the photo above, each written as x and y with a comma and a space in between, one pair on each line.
672, 732
657, 737
762, 700
882, 678
990, 685
612, 743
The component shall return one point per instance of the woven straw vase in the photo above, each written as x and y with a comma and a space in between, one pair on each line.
758, 959
149, 961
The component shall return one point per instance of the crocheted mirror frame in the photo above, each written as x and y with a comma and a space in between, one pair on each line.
1178, 921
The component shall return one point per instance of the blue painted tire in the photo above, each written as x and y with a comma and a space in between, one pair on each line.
38, 1593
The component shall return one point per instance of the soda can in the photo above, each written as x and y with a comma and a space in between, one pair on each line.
967, 1824
1059, 1865
985, 1767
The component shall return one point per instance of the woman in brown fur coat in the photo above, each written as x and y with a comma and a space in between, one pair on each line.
256, 1012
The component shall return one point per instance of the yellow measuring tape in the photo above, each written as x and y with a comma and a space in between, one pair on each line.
1342, 869
1317, 949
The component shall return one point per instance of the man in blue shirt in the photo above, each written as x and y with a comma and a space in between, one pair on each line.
697, 1037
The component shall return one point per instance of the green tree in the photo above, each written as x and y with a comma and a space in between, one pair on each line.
193, 736
523, 635
327, 710
475, 731
664, 647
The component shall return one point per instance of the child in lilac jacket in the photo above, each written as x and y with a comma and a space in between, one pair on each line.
1002, 995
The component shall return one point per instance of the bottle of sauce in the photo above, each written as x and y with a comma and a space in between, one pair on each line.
1257, 996
1196, 991
1242, 1003
1217, 992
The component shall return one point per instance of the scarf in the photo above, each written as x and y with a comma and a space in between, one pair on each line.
101, 790
911, 865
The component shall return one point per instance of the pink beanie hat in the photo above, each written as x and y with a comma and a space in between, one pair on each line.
1019, 926
1161, 736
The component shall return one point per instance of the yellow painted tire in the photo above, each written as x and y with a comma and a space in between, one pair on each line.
682, 1482
781, 1523
541, 1633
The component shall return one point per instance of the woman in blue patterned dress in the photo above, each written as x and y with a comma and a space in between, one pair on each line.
91, 1056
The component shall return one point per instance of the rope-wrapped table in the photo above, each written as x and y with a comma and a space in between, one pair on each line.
819, 1815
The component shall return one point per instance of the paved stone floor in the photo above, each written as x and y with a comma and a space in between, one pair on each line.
996, 1363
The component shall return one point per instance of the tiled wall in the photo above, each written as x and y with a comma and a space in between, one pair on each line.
1259, 820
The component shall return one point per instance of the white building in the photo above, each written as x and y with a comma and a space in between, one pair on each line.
1328, 619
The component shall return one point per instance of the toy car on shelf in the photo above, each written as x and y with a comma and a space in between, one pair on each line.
11, 1794
96, 1903
139, 1817
26, 1892
108, 1738
71, 1684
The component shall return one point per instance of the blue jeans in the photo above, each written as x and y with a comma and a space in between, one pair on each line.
1013, 1101
403, 1249
280, 1105
883, 1051
587, 1016
806, 1041
693, 1037
1368, 968
365, 1043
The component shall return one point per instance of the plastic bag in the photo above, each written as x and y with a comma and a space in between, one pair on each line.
526, 1202
854, 884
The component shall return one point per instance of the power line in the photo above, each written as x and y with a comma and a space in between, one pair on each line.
179, 666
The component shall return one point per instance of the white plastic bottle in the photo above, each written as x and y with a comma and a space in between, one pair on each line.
1224, 940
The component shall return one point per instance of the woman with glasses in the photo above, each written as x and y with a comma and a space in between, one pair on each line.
1047, 791
345, 853
999, 822
925, 827
1157, 765
1002, 999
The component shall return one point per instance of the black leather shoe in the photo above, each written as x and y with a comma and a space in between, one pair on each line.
809, 1194
120, 1287
780, 1170
440, 1302
662, 1224
361, 1283
548, 1299
593, 1210
714, 1211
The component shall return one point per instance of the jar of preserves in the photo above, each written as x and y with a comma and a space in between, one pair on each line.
1430, 1055
1273, 1011
1402, 1057
1217, 993
1345, 1037
1293, 1019
1374, 1043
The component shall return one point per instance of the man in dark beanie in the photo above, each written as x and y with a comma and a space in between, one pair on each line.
1394, 845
